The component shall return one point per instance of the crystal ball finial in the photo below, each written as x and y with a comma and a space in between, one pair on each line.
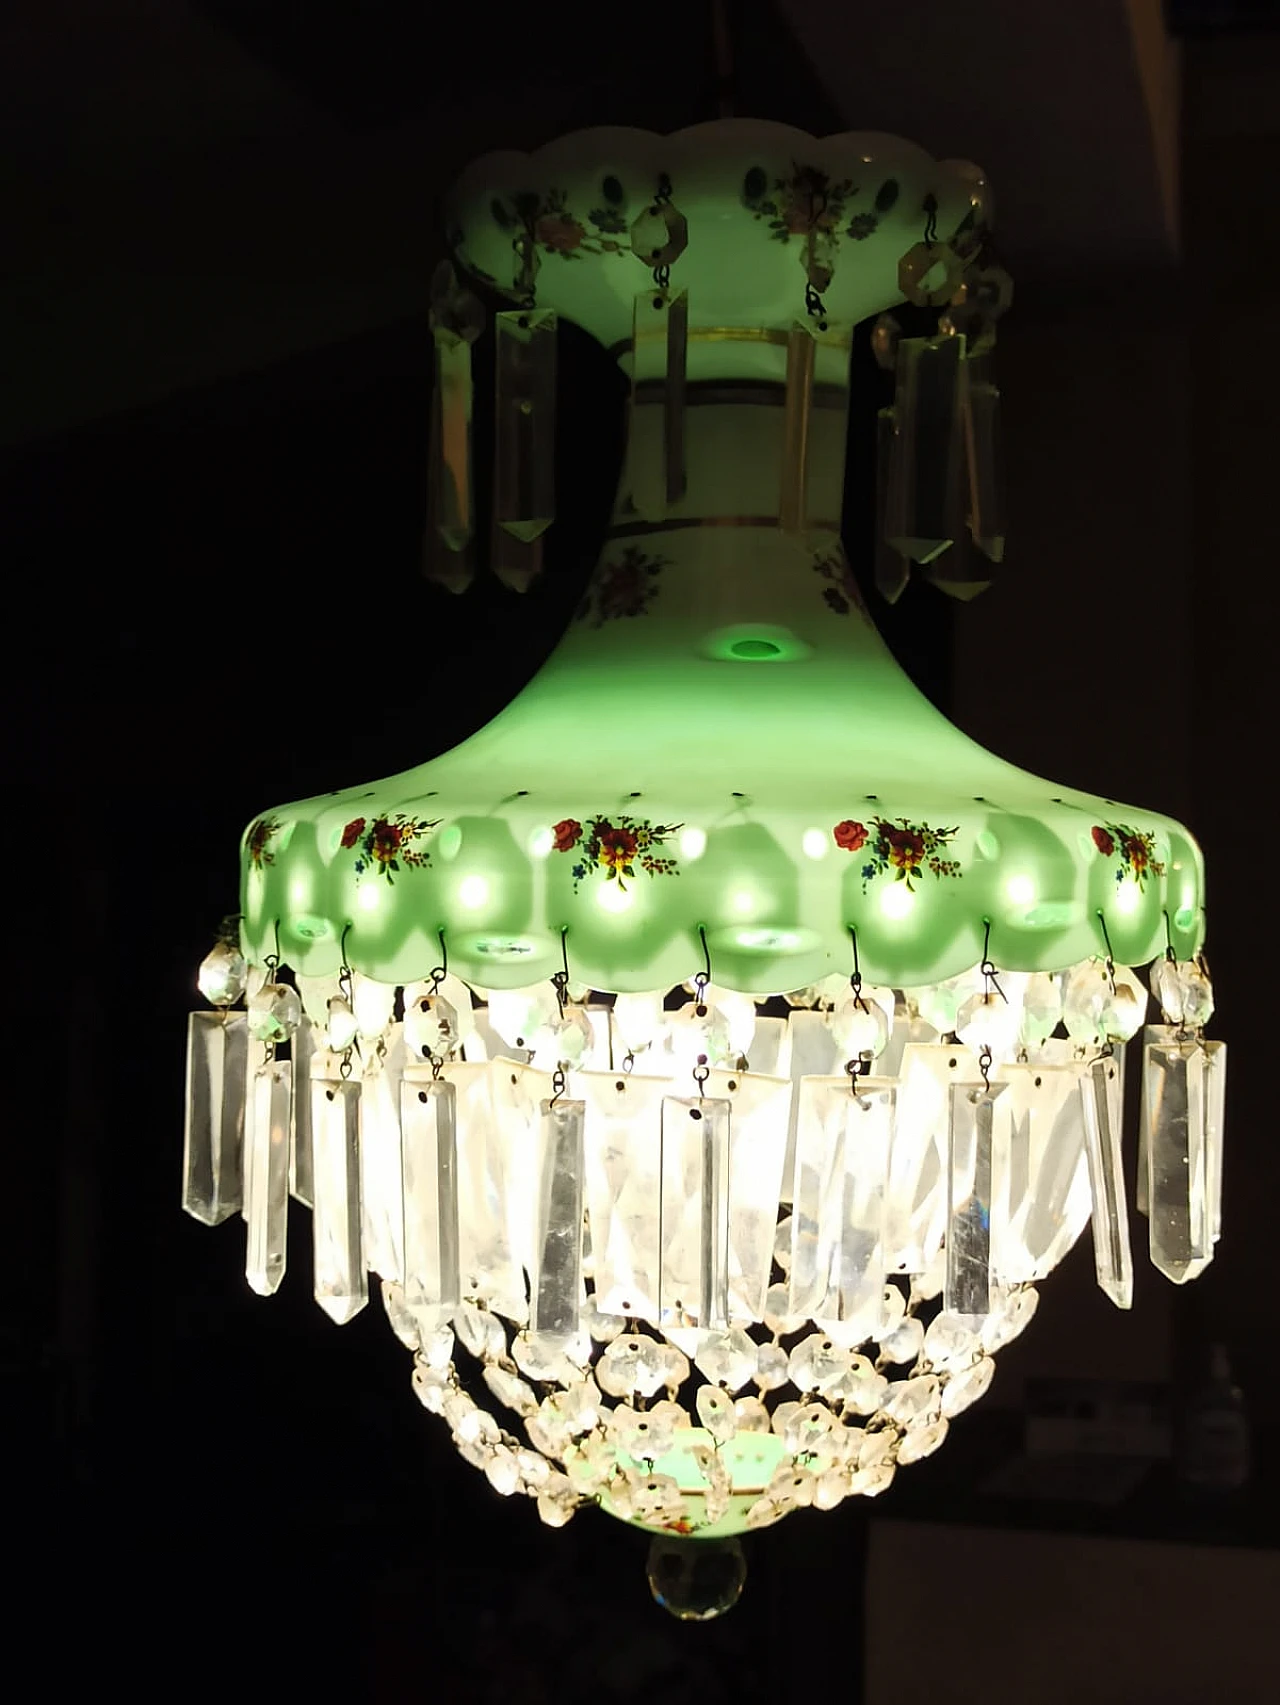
696, 1579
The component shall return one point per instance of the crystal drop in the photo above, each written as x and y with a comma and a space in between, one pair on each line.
502, 1471
1124, 1008
511, 1391
696, 1579
563, 1042
1197, 996
859, 1027
763, 1513
517, 1013
456, 1407
437, 1347
916, 1399
807, 1428
893, 1308
949, 1343
557, 1501
547, 1432
965, 1388
939, 1003
865, 1391
716, 1413
431, 1386
431, 1027
991, 1021
535, 1470
275, 1012
904, 1343
673, 1365
832, 1488
817, 1363
1084, 1000
750, 1415
603, 1328
478, 1426
591, 1461
771, 1367
922, 1441
403, 1324
340, 1025
638, 1021
541, 1360
1009, 1318
791, 1488
1041, 1009
777, 1312
698, 1034
578, 1407
480, 1332
222, 975
727, 1358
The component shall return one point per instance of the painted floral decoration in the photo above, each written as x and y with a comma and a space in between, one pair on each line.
387, 843
805, 202
1135, 848
624, 586
258, 842
861, 226
908, 849
555, 228
842, 592
617, 845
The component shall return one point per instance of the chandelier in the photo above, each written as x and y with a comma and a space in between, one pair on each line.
711, 1055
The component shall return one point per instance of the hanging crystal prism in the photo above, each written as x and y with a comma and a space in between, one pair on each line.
212, 1173
981, 419
756, 1152
341, 1283
967, 1291
1042, 1179
916, 1203
555, 1281
428, 1125
456, 321
1102, 1111
266, 1169
837, 1224
301, 1187
656, 437
380, 1158
693, 1280
1215, 1093
1182, 1110
492, 1184
923, 503
623, 1114
524, 422
893, 569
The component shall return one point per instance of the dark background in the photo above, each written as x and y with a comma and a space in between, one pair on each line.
213, 491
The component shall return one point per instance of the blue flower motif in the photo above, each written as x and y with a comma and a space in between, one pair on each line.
579, 871
1120, 874
868, 871
359, 867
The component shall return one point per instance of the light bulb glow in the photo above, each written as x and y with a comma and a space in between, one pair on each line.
693, 843
299, 891
541, 842
613, 897
1021, 890
1128, 896
815, 843
742, 903
897, 901
367, 897
473, 892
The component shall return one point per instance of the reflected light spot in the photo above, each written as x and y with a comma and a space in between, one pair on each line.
1021, 890
449, 841
815, 843
367, 897
897, 901
541, 842
693, 843
742, 903
473, 891
1127, 896
299, 891
613, 897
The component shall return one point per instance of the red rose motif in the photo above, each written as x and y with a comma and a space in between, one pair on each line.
850, 835
566, 834
1102, 840
557, 231
906, 848
385, 838
353, 831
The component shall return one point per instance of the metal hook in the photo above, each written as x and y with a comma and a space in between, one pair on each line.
703, 977
987, 968
560, 979
984, 1066
272, 960
1111, 963
441, 971
855, 980
1169, 953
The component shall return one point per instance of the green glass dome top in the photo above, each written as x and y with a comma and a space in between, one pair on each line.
721, 742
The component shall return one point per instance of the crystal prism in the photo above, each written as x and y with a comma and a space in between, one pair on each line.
1102, 1112
923, 507
968, 1242
380, 1157
916, 1200
655, 434
622, 1114
428, 1136
693, 1281
524, 422
212, 1173
555, 1276
303, 1047
341, 1283
266, 1171
489, 1190
1178, 1189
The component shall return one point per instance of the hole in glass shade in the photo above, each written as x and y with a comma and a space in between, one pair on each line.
754, 642
1184, 917
987, 844
311, 928
501, 947
755, 648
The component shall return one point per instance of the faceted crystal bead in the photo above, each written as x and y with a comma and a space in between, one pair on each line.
870, 1482
557, 1501
772, 1364
511, 1391
275, 1012
565, 1041
719, 1485
431, 1386
644, 1434
437, 1347
1184, 992
818, 1363
763, 1513
480, 1332
989, 1020
477, 1426
517, 1013
632, 1364
697, 1033
777, 1312
1124, 1007
655, 1495
892, 1309
963, 1389
904, 1343
222, 974
939, 1003
739, 1013
458, 1406
340, 1025
535, 1470
578, 1406
791, 1488
865, 1390
638, 1022
403, 1324
914, 1400
716, 1413
374, 1006
547, 1432
807, 1428
542, 1360
750, 1415
1085, 999
922, 1441
859, 1027
591, 1462
603, 1328
830, 1489
950, 1343
727, 1358
1041, 1008
673, 1365
503, 1471
1009, 1318
431, 1027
